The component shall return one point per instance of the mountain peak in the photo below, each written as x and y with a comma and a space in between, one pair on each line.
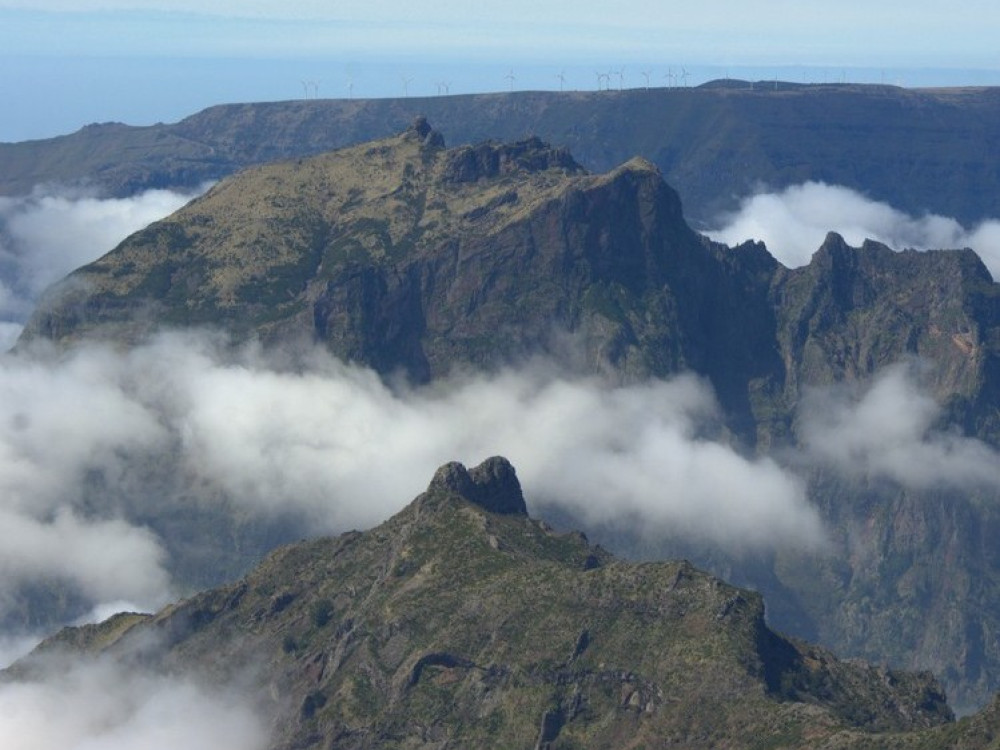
492, 485
489, 160
495, 632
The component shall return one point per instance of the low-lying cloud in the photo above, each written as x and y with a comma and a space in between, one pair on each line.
97, 445
889, 429
337, 443
794, 222
46, 235
82, 433
13, 647
100, 705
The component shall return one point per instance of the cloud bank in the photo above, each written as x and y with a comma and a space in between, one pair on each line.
13, 648
97, 705
890, 430
794, 222
337, 443
333, 443
96, 445
46, 235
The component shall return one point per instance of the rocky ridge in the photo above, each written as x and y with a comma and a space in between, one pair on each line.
463, 622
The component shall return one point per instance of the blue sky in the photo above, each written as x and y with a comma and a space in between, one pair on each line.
66, 63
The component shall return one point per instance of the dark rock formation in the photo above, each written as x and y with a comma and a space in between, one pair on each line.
492, 485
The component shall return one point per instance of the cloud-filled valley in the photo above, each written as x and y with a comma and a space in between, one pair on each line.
81, 436
95, 444
336, 446
889, 429
46, 235
103, 705
793, 222
102, 449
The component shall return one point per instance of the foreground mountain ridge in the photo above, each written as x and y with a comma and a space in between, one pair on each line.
462, 622
409, 257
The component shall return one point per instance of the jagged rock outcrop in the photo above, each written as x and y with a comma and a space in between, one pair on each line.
451, 624
853, 311
492, 485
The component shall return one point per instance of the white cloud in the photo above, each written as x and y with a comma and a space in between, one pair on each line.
13, 647
793, 223
329, 442
333, 444
46, 235
336, 443
889, 430
98, 705
101, 559
63, 424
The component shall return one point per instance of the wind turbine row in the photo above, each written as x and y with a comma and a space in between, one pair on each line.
605, 80
314, 86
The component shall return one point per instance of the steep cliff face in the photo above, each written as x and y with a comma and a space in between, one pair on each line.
462, 621
853, 311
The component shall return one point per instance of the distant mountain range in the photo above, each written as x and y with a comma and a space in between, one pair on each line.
927, 150
406, 256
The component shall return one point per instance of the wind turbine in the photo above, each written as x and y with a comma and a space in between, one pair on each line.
510, 78
684, 75
670, 77
406, 85
562, 79
621, 78
305, 89
645, 74
315, 85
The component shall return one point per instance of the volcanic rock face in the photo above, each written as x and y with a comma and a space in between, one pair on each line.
492, 485
461, 621
853, 311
